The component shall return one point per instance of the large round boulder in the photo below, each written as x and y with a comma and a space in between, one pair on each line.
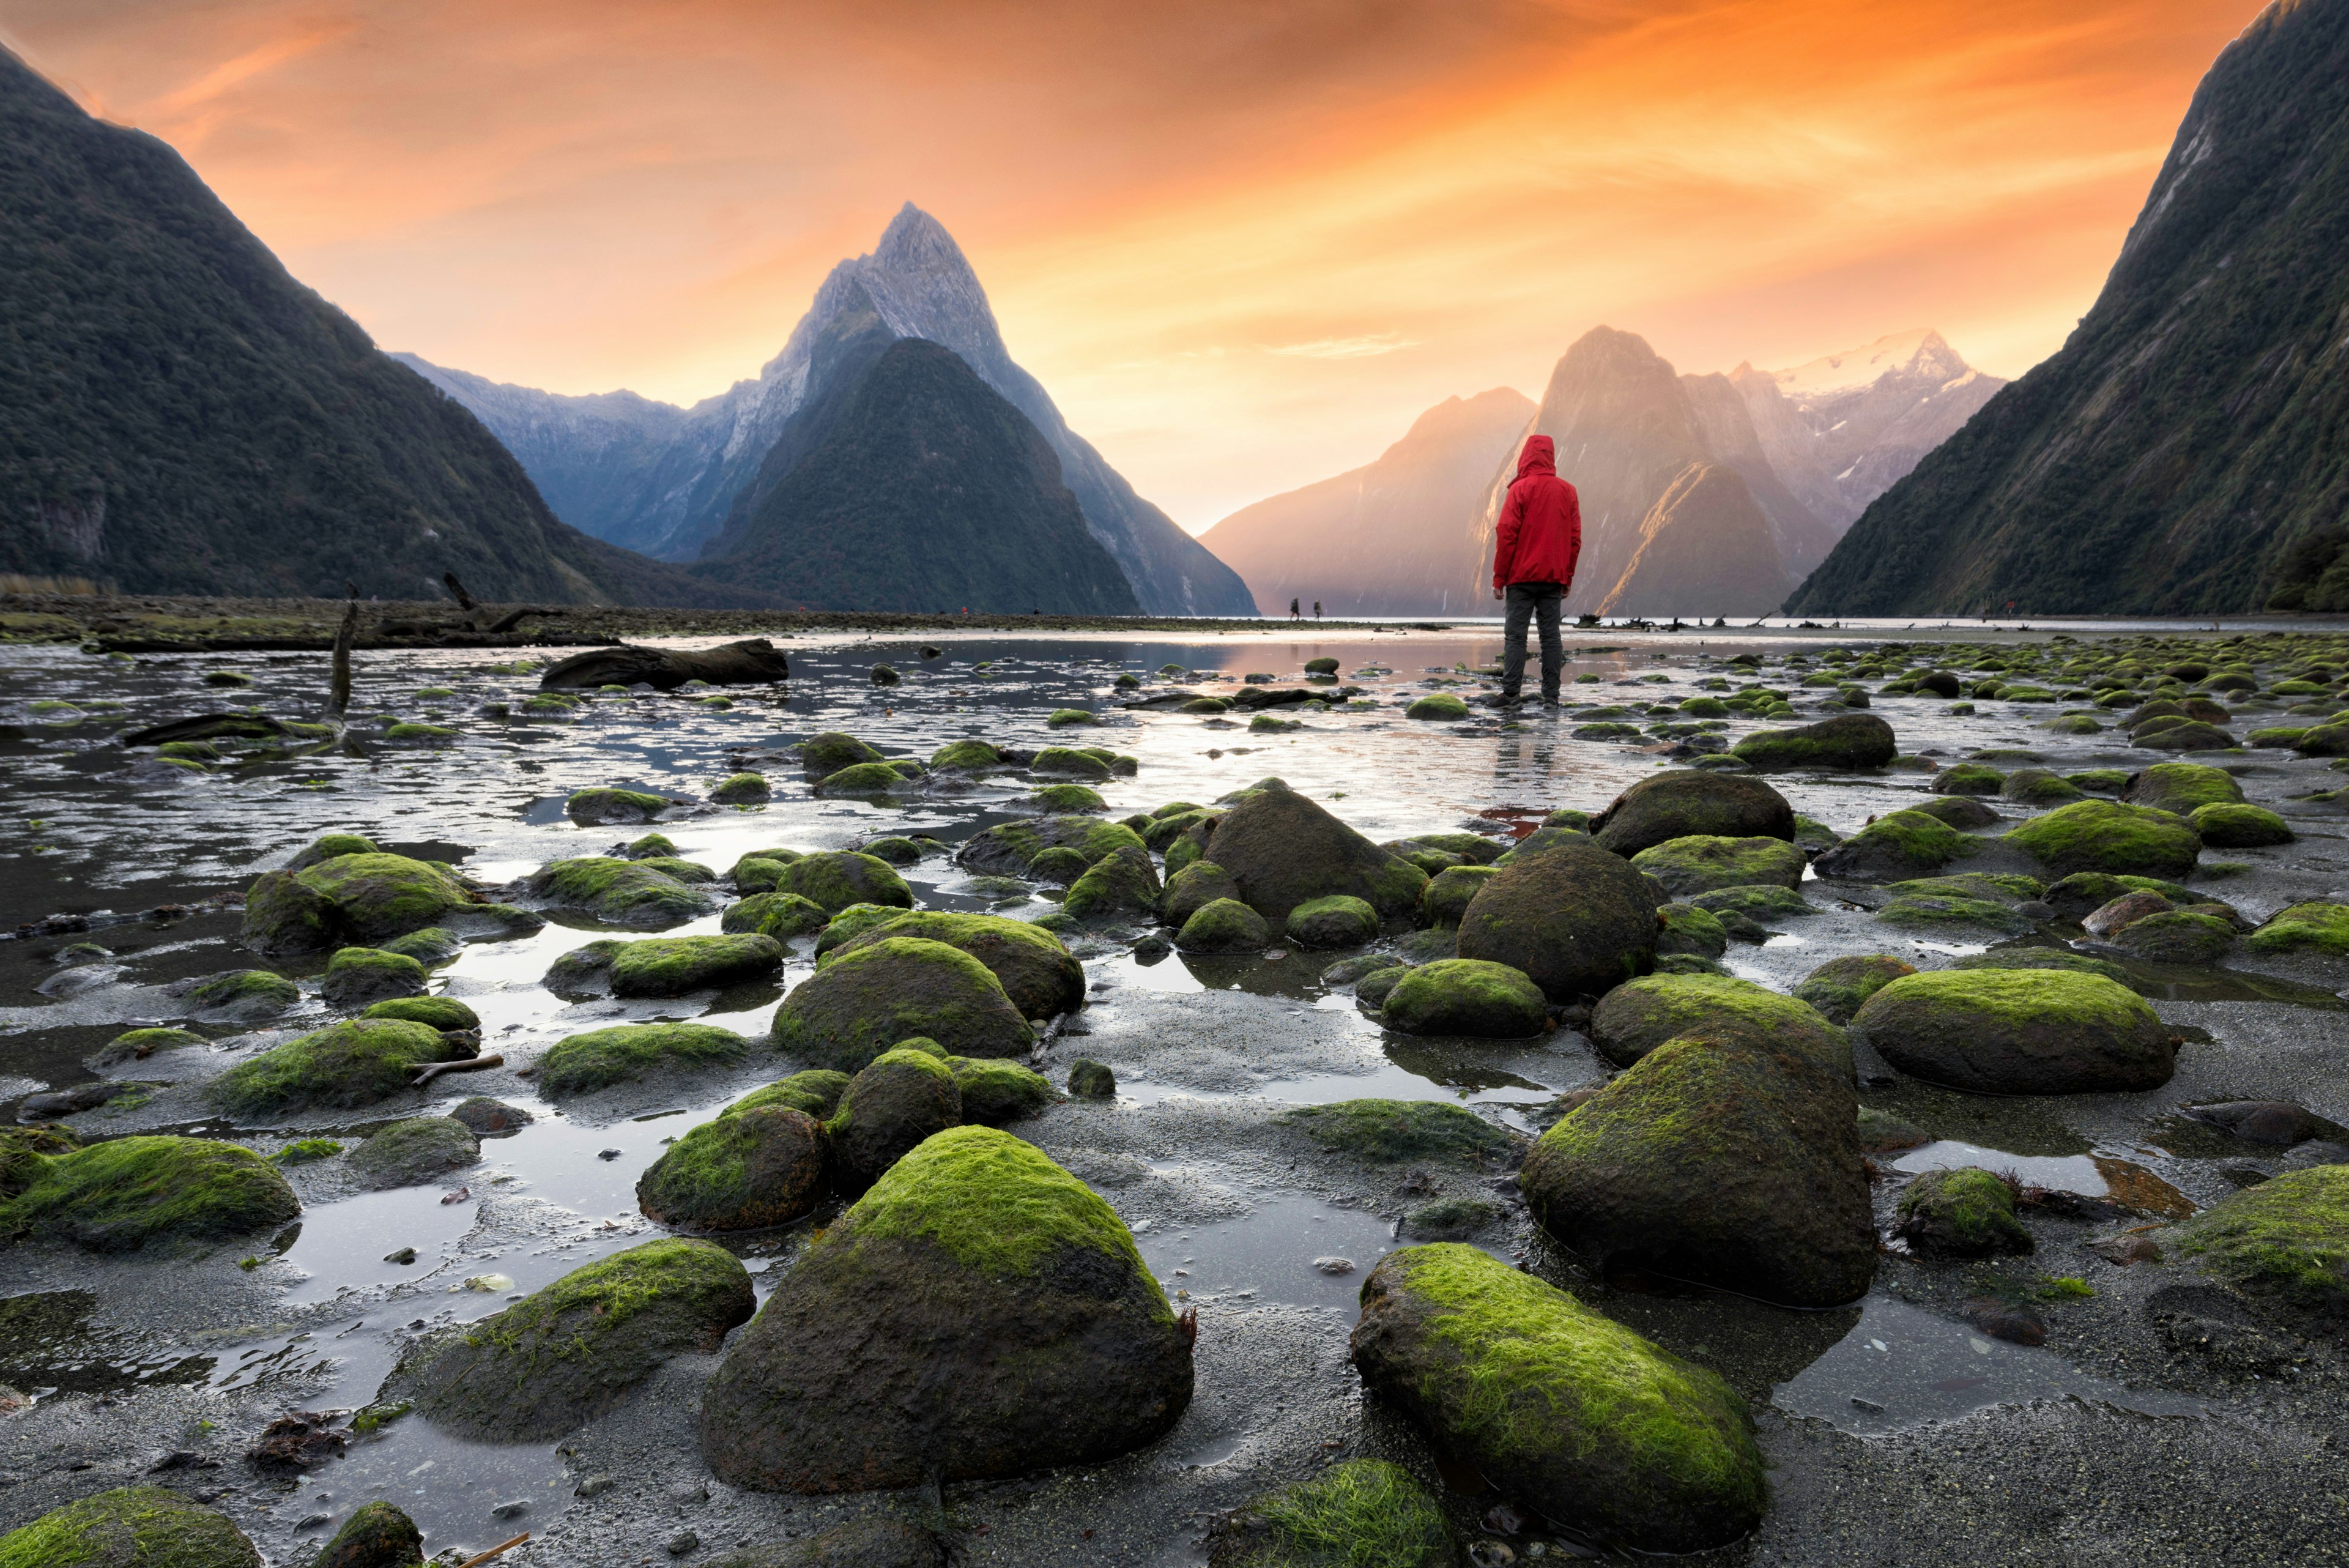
2106, 835
357, 897
1465, 997
900, 1098
1011, 848
129, 1527
2018, 1032
1338, 920
1687, 803
1718, 1160
2179, 787
1122, 882
1224, 926
618, 892
416, 1149
1837, 988
1284, 850
1193, 889
2284, 1242
979, 1312
127, 1192
355, 977
745, 1170
564, 1354
1576, 919
1556, 1406
1896, 846
1639, 1015
342, 1066
1030, 962
1847, 741
1700, 865
866, 1000
836, 878
624, 1052
1450, 891
672, 966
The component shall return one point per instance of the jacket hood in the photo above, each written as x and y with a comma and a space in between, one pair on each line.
1540, 456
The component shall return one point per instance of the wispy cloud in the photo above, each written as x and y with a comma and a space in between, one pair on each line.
1364, 347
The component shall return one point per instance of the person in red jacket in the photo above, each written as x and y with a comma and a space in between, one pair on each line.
1533, 552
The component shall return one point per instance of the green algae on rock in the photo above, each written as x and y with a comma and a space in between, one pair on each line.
1284, 850
741, 789
898, 988
244, 996
626, 1051
603, 808
341, 1067
329, 846
1372, 987
782, 915
865, 779
1365, 1512
125, 1193
817, 1091
1690, 803
1336, 921
357, 977
1468, 997
1395, 1131
1556, 1405
2180, 787
2315, 927
2108, 837
2176, 936
1924, 911
1224, 926
2284, 1242
672, 966
138, 1044
851, 923
965, 756
1837, 987
752, 1167
1968, 778
1032, 965
376, 1535
415, 1150
1964, 1213
1092, 1080
836, 878
979, 1312
690, 872
1010, 848
995, 1091
1196, 885
359, 897
1699, 865
1752, 902
566, 1353
617, 892
1636, 1017
1123, 882
129, 1527
1716, 1158
2028, 1032
1449, 892
1845, 743
1687, 929
1895, 847
2042, 958
2225, 825
899, 1099
832, 751
1440, 706
1959, 811
1576, 918
431, 945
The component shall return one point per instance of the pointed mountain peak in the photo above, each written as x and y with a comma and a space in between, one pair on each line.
1852, 368
915, 242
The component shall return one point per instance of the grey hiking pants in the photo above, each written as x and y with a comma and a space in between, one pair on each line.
1525, 601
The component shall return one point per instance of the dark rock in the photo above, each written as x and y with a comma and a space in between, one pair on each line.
745, 1170
1284, 850
1030, 963
1847, 741
1576, 918
2258, 1121
298, 1441
1679, 804
129, 1527
1467, 997
1092, 1080
415, 1150
1837, 987
2018, 1032
752, 662
491, 1118
1967, 1213
866, 1000
376, 1535
892, 1104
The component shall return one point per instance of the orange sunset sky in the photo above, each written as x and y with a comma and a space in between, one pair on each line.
1242, 242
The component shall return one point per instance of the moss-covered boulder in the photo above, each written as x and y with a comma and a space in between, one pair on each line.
1401, 1132
1958, 811
1556, 1406
1837, 988
741, 789
1065, 763
1689, 931
599, 1058
357, 897
1440, 706
1690, 803
1847, 741
1284, 850
564, 1354
129, 1527
1449, 892
834, 878
2179, 787
2284, 1242
965, 756
760, 869
1224, 926
672, 966
1465, 997
1195, 885
2177, 936
979, 1313
1895, 847
1636, 1017
1764, 902
2237, 826
618, 892
1011, 848
1358, 1511
851, 923
2007, 1031
1032, 965
415, 1150
898, 1100
2316, 926
2084, 892
1092, 1080
747, 1170
820, 756
357, 976
2109, 837
1967, 778
340, 1067
995, 1091
2042, 958
817, 1091
125, 1193
327, 845
376, 1535
1576, 919
138, 1044
865, 779
1967, 1213
605, 807
1717, 1159
1699, 865
243, 996
690, 872
432, 945
1338, 920
897, 988
782, 915
1976, 917
1120, 884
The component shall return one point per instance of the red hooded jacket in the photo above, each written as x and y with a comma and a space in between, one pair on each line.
1540, 534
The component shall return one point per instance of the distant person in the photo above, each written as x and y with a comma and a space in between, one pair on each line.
1292, 609
1316, 610
1533, 552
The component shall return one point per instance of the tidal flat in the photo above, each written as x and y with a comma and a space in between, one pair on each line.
2102, 1385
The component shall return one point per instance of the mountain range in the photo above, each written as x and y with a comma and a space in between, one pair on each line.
2183, 450
179, 415
666, 480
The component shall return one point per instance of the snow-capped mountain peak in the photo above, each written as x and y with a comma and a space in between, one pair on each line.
1920, 348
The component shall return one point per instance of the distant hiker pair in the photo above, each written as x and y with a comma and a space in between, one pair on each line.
1533, 552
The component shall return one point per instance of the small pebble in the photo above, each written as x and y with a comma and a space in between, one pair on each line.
1334, 1265
609, 1154
513, 1510
593, 1486
683, 1541
405, 1255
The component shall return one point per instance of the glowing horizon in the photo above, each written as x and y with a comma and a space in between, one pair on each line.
1242, 246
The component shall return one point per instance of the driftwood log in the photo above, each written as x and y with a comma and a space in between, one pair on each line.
755, 661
